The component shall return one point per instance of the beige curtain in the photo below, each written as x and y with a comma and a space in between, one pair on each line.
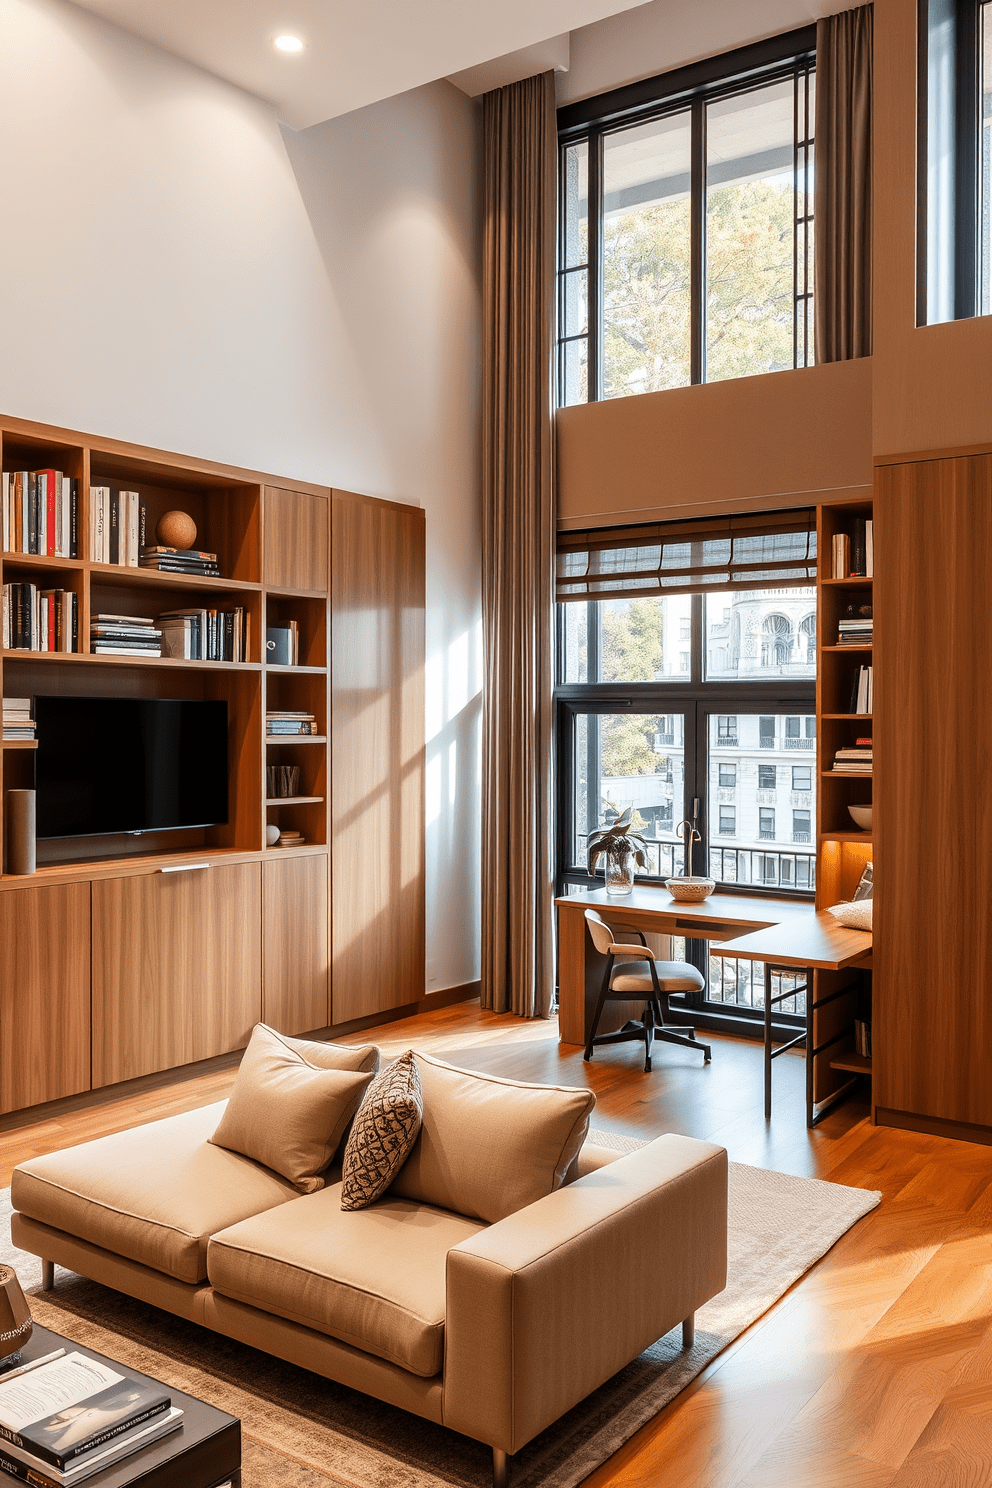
520, 155
842, 207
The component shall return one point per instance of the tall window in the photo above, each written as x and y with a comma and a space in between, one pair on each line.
685, 237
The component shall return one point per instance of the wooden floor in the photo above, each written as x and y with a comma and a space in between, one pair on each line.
875, 1370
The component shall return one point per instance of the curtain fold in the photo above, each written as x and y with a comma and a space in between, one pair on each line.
520, 167
843, 193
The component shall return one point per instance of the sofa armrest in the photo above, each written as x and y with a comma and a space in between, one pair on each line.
546, 1305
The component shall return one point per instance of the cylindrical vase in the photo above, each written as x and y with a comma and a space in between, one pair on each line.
20, 831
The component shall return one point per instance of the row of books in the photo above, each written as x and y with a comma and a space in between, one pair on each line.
65, 1419
854, 632
39, 619
862, 1038
17, 720
117, 526
853, 556
40, 513
289, 722
854, 759
189, 635
862, 691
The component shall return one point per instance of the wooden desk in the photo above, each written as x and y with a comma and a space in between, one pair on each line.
783, 933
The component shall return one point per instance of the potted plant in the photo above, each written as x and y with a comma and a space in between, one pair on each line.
621, 845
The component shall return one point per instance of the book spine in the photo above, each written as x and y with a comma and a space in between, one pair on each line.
102, 1437
6, 511
26, 1473
32, 486
74, 518
51, 517
114, 555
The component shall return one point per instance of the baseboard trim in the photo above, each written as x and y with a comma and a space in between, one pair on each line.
934, 1126
466, 992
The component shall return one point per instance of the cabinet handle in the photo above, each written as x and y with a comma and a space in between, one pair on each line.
184, 868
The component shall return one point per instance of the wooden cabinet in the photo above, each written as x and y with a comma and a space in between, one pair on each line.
44, 994
295, 540
176, 968
933, 875
377, 807
294, 944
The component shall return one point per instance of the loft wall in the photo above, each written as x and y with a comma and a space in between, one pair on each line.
180, 272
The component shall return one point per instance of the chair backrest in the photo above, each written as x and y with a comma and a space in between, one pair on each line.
602, 935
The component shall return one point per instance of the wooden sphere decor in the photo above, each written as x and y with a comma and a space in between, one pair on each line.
176, 530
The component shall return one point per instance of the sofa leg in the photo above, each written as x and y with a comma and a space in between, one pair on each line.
47, 1275
689, 1331
501, 1468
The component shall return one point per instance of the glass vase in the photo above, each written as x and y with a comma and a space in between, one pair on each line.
619, 873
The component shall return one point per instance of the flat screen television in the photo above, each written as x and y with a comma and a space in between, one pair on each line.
109, 765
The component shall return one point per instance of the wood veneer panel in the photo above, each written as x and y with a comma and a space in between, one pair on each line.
295, 540
176, 968
377, 728
295, 963
933, 1023
44, 995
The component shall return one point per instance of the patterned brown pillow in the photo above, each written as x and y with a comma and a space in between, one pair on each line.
384, 1131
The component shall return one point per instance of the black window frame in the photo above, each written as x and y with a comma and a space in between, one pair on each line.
791, 54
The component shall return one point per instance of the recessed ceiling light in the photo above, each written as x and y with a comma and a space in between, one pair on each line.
288, 44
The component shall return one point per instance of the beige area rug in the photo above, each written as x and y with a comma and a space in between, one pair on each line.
301, 1431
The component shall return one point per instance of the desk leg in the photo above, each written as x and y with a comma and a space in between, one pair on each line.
768, 1040
810, 1045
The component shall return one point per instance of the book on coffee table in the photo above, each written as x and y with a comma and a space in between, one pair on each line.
73, 1405
33, 1470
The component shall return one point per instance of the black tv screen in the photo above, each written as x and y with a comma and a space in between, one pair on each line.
106, 765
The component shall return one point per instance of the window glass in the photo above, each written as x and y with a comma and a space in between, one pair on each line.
646, 257
635, 760
985, 158
728, 776
773, 847
750, 214
626, 640
802, 778
573, 277
728, 821
757, 635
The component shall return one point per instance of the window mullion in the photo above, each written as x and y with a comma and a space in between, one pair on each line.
697, 267
594, 283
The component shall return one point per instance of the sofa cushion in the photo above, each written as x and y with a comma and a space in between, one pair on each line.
373, 1278
286, 1112
154, 1194
488, 1147
382, 1134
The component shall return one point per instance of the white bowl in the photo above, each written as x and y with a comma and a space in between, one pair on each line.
690, 890
861, 815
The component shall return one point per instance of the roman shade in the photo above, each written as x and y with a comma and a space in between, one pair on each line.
765, 550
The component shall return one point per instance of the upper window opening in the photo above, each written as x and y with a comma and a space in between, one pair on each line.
686, 232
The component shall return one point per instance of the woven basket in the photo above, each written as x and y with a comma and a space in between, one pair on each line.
690, 890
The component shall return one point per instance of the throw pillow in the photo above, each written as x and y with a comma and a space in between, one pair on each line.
488, 1147
856, 915
330, 1056
382, 1134
286, 1112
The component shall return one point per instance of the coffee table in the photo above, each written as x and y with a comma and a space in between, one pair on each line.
204, 1453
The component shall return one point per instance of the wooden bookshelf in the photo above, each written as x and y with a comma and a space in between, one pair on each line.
166, 968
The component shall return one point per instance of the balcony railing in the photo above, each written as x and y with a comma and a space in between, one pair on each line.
734, 983
787, 870
801, 837
800, 743
728, 741
767, 834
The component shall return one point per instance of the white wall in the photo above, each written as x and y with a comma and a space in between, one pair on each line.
180, 273
663, 34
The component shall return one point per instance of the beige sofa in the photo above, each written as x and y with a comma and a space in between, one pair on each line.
493, 1330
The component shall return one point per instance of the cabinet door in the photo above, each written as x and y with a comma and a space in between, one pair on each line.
297, 541
377, 727
176, 968
44, 994
294, 942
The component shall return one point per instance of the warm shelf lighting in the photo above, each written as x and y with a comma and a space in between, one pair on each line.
289, 44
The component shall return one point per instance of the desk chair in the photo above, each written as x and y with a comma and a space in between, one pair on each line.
632, 975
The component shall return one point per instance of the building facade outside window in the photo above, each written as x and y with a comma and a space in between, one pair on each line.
767, 776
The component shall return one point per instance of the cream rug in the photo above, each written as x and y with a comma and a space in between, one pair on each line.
301, 1431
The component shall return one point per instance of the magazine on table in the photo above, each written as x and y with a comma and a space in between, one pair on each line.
73, 1405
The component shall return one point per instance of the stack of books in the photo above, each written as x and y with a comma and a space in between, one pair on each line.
854, 632
862, 1038
855, 760
289, 723
124, 635
17, 720
854, 556
40, 513
181, 560
117, 526
862, 691
206, 635
39, 619
66, 1419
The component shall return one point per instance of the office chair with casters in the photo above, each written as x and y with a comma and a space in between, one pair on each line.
633, 975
